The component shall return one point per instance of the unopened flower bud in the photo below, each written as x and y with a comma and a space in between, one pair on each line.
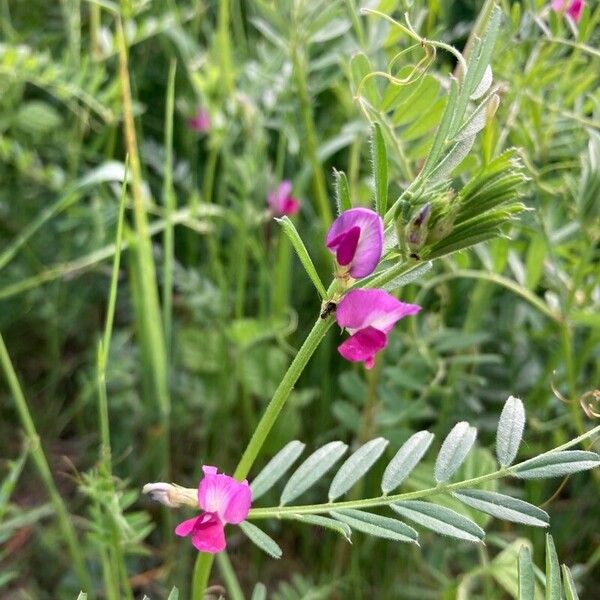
492, 107
171, 495
416, 231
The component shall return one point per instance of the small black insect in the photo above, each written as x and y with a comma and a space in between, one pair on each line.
415, 256
328, 309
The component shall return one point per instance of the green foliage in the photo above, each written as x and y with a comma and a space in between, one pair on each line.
351, 107
552, 586
434, 516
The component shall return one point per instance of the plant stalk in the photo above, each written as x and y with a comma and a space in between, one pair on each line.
41, 463
150, 316
204, 561
311, 145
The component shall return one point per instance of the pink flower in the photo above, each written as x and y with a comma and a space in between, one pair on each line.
573, 8
369, 315
201, 121
224, 500
281, 202
356, 239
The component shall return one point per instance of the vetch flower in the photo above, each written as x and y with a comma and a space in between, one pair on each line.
224, 500
356, 239
281, 202
573, 8
201, 121
369, 315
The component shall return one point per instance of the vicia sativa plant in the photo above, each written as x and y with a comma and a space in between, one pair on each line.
375, 251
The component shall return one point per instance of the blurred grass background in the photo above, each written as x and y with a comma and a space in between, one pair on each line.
210, 304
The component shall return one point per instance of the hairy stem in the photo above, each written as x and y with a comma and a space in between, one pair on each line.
281, 395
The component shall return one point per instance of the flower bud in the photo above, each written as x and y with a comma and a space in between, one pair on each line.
171, 495
416, 231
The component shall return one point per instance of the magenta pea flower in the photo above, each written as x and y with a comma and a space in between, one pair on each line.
200, 121
369, 315
281, 202
356, 240
224, 500
573, 8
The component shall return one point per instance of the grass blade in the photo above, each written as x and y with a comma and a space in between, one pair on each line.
41, 463
170, 204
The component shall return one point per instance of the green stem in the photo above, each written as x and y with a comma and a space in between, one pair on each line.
150, 318
169, 202
224, 47
567, 351
39, 458
111, 583
231, 582
204, 561
95, 23
281, 395
117, 562
208, 179
356, 23
311, 144
280, 288
415, 36
201, 574
286, 511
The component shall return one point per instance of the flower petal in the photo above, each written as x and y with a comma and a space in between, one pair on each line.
363, 345
239, 504
281, 201
284, 189
370, 243
575, 10
291, 206
208, 534
185, 527
345, 245
372, 308
216, 493
201, 121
